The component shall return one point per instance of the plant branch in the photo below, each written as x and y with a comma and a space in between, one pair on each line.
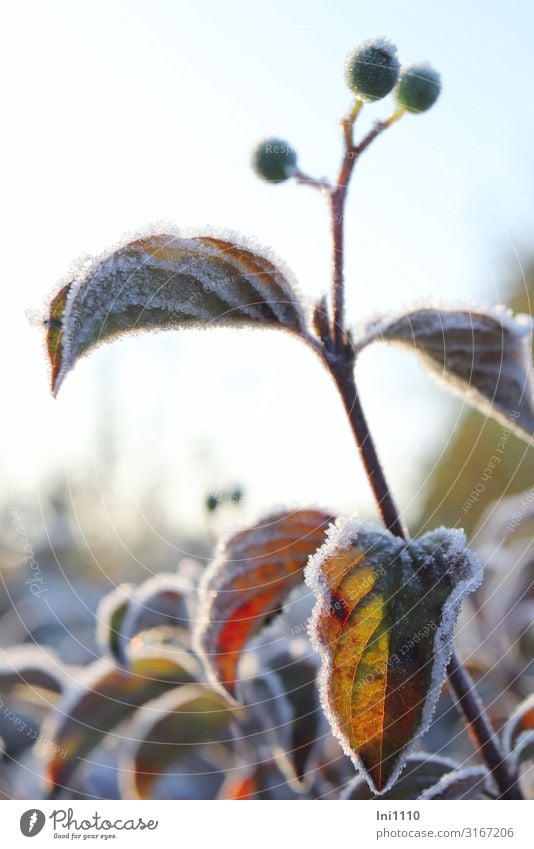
481, 729
342, 371
340, 359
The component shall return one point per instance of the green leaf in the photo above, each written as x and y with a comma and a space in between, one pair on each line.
164, 281
484, 356
384, 623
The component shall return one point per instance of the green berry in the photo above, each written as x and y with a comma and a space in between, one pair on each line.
274, 160
418, 87
372, 69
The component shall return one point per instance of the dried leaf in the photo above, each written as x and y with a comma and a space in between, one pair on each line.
482, 355
248, 582
471, 783
383, 623
191, 720
421, 772
167, 281
106, 695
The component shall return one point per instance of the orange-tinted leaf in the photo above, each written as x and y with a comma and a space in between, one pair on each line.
383, 623
248, 582
167, 281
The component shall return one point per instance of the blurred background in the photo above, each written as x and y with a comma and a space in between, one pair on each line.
118, 115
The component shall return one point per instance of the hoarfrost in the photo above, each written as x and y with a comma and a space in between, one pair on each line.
482, 355
435, 554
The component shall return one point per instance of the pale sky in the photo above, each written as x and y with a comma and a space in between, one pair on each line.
121, 114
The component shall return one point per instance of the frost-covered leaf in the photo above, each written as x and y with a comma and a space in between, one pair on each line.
110, 617
271, 731
168, 281
161, 600
105, 695
268, 724
262, 780
483, 355
384, 623
518, 733
523, 751
128, 610
470, 783
193, 720
298, 676
520, 722
248, 582
421, 772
